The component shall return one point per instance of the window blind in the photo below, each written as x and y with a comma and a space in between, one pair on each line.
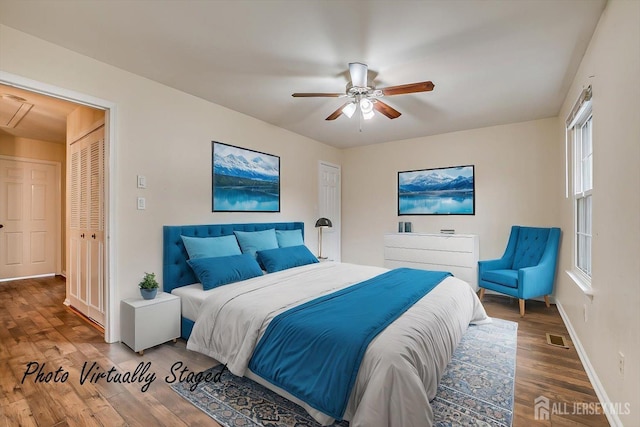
578, 108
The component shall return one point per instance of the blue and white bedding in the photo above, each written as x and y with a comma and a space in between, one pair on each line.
401, 367
314, 350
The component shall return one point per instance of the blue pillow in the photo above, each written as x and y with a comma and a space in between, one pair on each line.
217, 271
254, 241
205, 247
289, 238
282, 258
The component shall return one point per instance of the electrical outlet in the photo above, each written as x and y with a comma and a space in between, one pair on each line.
142, 203
621, 363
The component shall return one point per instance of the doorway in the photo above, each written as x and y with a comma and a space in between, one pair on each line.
39, 89
329, 206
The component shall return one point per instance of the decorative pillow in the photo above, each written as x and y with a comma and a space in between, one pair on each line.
205, 247
289, 238
217, 271
282, 258
254, 241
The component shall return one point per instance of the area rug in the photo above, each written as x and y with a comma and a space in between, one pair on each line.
476, 389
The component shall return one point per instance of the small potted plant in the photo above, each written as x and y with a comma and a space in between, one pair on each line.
149, 286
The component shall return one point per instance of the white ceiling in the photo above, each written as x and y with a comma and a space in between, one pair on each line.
492, 61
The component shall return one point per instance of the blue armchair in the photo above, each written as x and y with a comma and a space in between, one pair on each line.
528, 267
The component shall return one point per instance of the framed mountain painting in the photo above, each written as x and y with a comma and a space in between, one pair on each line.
244, 180
439, 191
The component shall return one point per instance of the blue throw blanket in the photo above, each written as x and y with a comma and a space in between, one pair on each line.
314, 350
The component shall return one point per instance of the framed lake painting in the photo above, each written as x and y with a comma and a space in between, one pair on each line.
439, 191
244, 180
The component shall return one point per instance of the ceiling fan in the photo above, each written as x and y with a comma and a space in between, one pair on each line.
367, 98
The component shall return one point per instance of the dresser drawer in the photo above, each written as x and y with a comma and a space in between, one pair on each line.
455, 253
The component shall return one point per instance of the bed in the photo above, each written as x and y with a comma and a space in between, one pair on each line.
401, 367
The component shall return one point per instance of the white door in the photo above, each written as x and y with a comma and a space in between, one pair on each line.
29, 218
85, 193
329, 207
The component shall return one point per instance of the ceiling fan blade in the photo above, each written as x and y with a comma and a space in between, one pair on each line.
358, 73
324, 95
408, 88
386, 109
338, 112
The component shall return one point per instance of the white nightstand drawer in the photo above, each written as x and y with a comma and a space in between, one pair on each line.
147, 323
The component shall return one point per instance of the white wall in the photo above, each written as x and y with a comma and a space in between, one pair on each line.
166, 135
517, 170
612, 66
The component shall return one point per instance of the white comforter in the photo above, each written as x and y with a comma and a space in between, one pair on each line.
402, 366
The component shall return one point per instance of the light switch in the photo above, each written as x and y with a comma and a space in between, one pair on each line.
142, 203
142, 181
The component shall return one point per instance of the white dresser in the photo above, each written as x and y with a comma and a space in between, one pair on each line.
455, 253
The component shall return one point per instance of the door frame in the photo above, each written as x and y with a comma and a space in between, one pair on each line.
58, 210
110, 171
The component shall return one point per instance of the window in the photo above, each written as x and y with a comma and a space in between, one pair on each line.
583, 194
580, 126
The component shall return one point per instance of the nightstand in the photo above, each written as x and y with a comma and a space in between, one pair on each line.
147, 323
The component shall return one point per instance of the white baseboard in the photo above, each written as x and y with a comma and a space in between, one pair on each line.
613, 418
11, 279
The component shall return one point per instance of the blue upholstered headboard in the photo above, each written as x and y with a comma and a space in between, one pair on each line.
175, 270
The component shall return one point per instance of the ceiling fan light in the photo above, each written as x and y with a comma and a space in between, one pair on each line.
366, 106
349, 109
368, 115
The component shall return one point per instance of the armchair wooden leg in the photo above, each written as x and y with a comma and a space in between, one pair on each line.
521, 308
546, 301
481, 294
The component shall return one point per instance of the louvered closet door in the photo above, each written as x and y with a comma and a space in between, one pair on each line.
86, 225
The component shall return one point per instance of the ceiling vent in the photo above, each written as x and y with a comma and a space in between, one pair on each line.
12, 110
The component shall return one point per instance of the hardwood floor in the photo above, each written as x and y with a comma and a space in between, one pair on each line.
37, 327
44, 346
544, 370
